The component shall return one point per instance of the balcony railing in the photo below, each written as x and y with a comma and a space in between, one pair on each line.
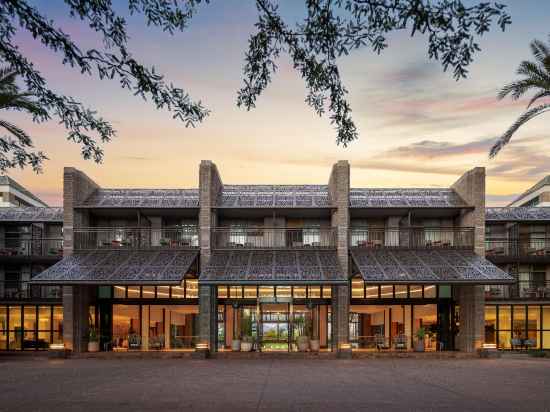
273, 238
23, 290
135, 238
51, 247
413, 237
520, 289
534, 247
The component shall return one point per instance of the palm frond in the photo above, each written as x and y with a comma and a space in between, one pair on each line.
539, 95
519, 88
540, 50
533, 71
524, 118
23, 137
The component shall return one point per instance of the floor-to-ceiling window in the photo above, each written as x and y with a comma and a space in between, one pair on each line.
518, 326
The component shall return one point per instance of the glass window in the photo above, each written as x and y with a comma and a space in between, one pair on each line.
445, 291
15, 317
266, 291
58, 318
490, 324
156, 338
430, 291
425, 316
504, 317
163, 292
284, 291
357, 288
3, 318
504, 340
546, 340
222, 292
299, 292
314, 292
126, 327
371, 292
401, 291
386, 291
104, 292
415, 291
519, 321
148, 292
29, 317
178, 292
251, 292
533, 317
546, 318
119, 292
191, 288
235, 292
133, 292
327, 292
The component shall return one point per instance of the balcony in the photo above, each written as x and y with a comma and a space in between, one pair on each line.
529, 250
274, 238
519, 290
135, 238
14, 290
31, 248
413, 237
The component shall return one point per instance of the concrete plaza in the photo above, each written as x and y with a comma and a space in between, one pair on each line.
274, 384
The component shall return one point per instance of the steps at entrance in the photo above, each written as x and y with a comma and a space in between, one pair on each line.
273, 355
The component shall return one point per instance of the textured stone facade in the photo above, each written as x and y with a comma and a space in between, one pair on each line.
471, 299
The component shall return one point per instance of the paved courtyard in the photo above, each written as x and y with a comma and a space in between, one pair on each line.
271, 384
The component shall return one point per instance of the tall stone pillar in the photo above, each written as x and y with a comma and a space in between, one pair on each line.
210, 185
76, 299
471, 298
339, 183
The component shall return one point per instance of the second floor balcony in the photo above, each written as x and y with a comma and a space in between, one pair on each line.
31, 247
135, 238
273, 238
528, 248
413, 237
519, 290
18, 290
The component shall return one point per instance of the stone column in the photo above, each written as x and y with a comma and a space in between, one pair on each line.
339, 195
471, 298
76, 299
210, 185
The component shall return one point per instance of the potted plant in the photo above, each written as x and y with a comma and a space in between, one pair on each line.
246, 344
314, 343
93, 339
420, 335
302, 341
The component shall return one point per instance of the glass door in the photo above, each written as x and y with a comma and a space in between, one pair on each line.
274, 326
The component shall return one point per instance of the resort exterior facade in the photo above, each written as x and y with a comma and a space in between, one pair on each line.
289, 267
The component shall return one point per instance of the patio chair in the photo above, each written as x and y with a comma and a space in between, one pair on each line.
529, 343
516, 343
400, 342
381, 342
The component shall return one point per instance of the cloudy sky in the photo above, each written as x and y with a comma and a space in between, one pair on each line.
418, 127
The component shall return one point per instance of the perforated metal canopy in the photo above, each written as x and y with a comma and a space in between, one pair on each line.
31, 214
273, 267
274, 196
142, 198
426, 266
511, 214
405, 198
105, 267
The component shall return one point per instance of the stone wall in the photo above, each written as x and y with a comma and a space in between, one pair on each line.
471, 298
339, 184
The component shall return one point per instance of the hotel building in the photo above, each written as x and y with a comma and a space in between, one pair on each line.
263, 266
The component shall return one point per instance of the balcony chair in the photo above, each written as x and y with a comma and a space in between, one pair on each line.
516, 343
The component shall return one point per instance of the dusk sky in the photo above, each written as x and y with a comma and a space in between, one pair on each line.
418, 127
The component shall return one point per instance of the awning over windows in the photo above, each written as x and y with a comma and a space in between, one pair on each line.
273, 266
104, 267
426, 266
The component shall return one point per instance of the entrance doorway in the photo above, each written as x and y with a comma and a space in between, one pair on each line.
274, 327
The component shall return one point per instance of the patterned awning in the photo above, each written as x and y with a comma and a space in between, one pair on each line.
143, 198
31, 214
105, 267
273, 267
405, 198
517, 214
274, 196
426, 266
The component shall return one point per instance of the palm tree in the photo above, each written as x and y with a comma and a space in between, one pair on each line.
536, 79
14, 152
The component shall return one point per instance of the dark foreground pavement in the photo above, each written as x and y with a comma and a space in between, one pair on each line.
279, 385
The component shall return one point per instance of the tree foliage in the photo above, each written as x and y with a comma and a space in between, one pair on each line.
330, 29
536, 79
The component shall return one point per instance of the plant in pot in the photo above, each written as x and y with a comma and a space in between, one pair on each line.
420, 335
314, 343
246, 344
93, 339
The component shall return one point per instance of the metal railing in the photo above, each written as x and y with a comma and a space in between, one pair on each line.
23, 290
31, 247
520, 289
531, 247
413, 237
135, 238
269, 238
